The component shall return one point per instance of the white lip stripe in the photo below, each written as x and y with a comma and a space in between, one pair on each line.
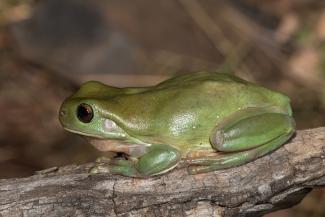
83, 134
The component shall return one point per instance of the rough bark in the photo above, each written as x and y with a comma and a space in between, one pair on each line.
276, 181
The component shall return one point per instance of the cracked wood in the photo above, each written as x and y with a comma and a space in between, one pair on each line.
278, 180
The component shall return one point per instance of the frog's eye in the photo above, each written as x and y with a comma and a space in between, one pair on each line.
85, 113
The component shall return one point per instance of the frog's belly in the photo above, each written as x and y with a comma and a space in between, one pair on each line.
201, 153
199, 150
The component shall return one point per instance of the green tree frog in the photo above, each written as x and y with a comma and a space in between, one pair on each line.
209, 121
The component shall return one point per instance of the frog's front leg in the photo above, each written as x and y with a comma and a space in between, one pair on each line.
157, 159
243, 138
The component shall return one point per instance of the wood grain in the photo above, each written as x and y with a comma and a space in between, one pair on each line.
276, 181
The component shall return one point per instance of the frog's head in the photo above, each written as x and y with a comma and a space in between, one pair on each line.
83, 114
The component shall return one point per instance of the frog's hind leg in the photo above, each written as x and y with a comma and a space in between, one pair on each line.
243, 139
225, 161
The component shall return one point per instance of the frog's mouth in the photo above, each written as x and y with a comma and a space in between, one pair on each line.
83, 133
107, 130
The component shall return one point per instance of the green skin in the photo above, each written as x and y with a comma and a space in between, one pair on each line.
210, 121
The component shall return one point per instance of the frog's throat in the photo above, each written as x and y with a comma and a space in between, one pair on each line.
134, 150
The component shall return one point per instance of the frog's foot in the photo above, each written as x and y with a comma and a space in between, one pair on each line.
103, 159
119, 166
158, 159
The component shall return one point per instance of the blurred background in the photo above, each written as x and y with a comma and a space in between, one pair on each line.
49, 47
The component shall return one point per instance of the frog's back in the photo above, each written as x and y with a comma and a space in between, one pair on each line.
222, 91
184, 109
199, 78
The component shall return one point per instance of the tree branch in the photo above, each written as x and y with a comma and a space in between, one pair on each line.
275, 181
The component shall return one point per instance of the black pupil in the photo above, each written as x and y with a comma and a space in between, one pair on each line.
85, 113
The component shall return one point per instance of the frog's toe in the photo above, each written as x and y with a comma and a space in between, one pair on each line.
122, 162
116, 166
193, 170
103, 159
100, 169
